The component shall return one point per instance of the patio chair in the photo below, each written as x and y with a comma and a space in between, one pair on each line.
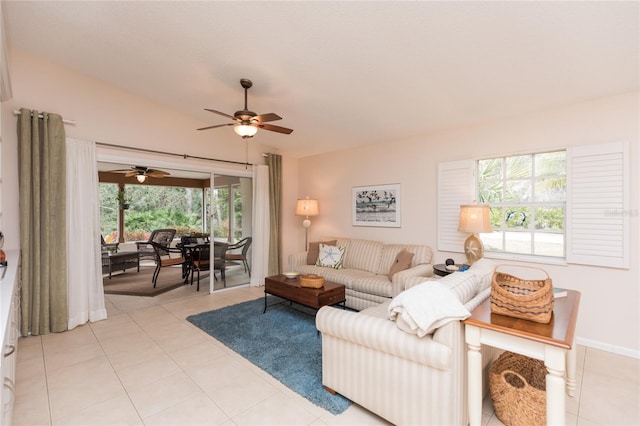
108, 247
200, 262
243, 244
163, 237
220, 260
163, 259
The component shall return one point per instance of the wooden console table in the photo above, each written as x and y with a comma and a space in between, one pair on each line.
553, 343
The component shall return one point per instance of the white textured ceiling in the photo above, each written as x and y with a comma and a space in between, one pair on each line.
343, 74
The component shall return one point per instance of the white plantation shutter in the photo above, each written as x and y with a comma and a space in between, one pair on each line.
598, 205
455, 187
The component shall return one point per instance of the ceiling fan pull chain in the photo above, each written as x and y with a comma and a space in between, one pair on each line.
246, 153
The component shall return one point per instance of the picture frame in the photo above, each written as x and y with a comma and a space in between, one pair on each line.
377, 205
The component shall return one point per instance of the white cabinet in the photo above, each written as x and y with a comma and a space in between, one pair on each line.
10, 323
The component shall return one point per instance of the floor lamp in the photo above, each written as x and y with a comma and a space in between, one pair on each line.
474, 219
307, 208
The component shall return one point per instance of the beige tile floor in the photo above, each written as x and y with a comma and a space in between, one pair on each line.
146, 365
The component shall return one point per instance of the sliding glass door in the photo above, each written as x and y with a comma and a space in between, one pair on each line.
230, 221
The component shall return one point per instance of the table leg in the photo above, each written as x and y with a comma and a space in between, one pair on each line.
474, 379
554, 360
571, 370
265, 302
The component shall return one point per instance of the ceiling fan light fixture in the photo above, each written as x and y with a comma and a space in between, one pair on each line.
141, 178
245, 130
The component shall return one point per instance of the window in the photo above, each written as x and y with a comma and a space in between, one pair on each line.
527, 195
109, 211
221, 213
148, 207
568, 204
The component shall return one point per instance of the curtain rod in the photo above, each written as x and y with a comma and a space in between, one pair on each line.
185, 156
16, 112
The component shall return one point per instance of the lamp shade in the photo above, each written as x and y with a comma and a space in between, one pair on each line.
307, 207
474, 219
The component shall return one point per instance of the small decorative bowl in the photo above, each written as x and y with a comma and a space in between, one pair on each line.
290, 275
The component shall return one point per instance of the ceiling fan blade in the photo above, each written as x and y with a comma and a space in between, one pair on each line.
263, 118
275, 128
220, 113
217, 125
130, 174
157, 173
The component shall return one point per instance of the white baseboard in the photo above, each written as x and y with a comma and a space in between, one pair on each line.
608, 348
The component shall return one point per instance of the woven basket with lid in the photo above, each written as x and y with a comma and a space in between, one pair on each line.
311, 281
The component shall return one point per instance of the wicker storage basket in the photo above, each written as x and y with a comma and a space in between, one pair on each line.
516, 297
517, 388
311, 281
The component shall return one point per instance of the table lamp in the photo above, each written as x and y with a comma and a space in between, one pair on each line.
306, 208
474, 219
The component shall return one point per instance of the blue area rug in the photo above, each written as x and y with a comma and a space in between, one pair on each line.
283, 342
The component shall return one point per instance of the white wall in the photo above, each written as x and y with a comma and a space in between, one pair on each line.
105, 114
610, 298
610, 302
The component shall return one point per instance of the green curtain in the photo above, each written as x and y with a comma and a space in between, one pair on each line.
43, 230
274, 161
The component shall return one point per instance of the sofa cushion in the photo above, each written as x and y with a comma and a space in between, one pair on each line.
314, 250
364, 254
330, 256
379, 285
380, 310
341, 276
426, 307
421, 254
401, 262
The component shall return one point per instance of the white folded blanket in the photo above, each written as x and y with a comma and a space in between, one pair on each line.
425, 307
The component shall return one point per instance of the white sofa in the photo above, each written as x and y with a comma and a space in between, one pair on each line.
406, 379
365, 271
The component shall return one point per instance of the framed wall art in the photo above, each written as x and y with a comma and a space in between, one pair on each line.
377, 205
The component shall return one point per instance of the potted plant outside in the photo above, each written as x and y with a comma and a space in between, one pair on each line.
123, 200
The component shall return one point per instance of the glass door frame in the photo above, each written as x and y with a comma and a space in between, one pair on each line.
104, 154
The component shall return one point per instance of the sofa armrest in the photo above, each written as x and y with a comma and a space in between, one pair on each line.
381, 334
476, 300
414, 281
449, 333
297, 259
402, 278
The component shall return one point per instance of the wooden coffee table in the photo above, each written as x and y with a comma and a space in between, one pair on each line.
290, 289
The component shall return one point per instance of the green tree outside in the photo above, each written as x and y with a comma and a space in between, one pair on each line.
150, 207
